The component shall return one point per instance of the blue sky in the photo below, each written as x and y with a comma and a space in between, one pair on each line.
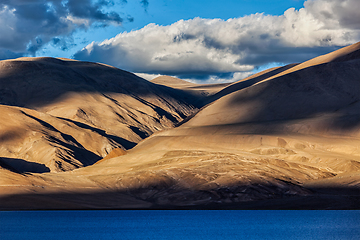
203, 41
166, 12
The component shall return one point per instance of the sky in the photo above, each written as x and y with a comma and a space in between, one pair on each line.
205, 41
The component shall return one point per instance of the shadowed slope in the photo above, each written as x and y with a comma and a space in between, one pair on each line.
37, 82
103, 106
296, 93
249, 81
81, 90
348, 53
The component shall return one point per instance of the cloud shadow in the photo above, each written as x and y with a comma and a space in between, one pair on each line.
165, 197
21, 166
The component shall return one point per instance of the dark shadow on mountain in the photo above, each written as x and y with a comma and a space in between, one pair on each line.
43, 123
347, 118
21, 166
331, 88
158, 110
66, 137
70, 144
329, 198
247, 83
171, 197
85, 156
10, 135
43, 81
138, 132
235, 87
348, 57
123, 142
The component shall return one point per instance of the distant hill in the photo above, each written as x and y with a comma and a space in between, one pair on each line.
205, 92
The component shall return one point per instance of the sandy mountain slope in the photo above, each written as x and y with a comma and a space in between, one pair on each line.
204, 92
38, 142
173, 82
345, 54
288, 139
80, 111
299, 126
329, 90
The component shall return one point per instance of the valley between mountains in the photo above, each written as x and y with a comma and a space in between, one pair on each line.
82, 135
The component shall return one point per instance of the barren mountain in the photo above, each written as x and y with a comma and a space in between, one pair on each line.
285, 138
66, 114
191, 88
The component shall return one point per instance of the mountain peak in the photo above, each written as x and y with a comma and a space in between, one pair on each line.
172, 82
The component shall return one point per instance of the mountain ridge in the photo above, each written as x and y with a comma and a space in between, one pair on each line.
286, 138
116, 107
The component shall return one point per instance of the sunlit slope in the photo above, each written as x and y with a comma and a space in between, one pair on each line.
172, 82
32, 141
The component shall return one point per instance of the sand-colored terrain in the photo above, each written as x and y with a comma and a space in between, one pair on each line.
285, 138
191, 88
68, 114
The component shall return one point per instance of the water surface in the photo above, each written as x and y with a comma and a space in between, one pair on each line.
180, 224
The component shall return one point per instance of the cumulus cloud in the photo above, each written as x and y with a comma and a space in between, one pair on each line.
26, 25
336, 13
215, 48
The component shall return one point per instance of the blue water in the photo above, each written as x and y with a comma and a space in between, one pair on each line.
179, 225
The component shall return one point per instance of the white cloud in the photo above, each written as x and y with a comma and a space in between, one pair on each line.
216, 48
336, 13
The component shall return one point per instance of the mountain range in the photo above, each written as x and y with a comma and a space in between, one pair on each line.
82, 135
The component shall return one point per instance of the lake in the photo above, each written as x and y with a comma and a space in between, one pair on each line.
179, 224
